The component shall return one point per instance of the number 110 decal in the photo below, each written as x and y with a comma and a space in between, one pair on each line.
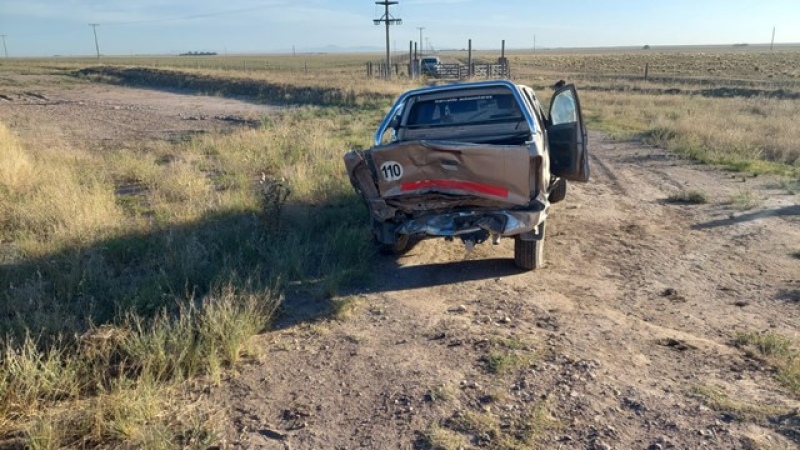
391, 171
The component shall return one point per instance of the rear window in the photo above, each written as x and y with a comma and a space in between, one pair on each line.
430, 60
464, 110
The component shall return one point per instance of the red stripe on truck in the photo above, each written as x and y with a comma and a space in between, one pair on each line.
469, 186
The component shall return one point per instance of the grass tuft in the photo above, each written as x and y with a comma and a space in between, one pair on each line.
744, 200
765, 344
720, 401
504, 432
690, 197
777, 350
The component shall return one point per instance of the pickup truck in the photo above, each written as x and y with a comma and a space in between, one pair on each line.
476, 161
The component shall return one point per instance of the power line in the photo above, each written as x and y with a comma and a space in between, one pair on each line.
96, 43
196, 16
388, 20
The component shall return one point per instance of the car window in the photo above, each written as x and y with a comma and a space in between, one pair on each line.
464, 110
564, 109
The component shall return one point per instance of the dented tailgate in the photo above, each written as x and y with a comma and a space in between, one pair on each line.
491, 172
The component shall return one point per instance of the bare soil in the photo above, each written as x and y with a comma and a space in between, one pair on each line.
632, 319
53, 111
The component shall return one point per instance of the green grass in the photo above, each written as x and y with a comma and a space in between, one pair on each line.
776, 350
689, 197
500, 362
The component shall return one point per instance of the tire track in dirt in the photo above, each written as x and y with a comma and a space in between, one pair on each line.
643, 292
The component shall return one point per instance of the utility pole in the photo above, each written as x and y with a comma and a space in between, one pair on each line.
420, 37
772, 44
388, 20
5, 49
96, 44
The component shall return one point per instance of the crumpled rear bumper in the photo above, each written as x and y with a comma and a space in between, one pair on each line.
457, 223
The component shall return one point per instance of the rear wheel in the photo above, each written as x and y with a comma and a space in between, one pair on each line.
529, 255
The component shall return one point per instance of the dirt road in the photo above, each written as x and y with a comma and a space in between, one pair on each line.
53, 111
625, 337
623, 341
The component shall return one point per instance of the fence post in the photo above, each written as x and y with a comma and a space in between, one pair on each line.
646, 71
469, 60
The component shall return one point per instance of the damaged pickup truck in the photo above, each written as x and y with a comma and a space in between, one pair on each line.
478, 161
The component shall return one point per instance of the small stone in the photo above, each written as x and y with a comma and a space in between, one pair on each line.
458, 309
600, 445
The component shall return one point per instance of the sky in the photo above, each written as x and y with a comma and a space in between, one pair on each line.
126, 27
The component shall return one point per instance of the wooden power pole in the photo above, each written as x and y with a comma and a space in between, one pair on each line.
96, 44
772, 43
388, 20
5, 49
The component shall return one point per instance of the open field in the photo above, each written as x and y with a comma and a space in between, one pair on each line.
146, 239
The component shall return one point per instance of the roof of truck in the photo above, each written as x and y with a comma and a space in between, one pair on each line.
514, 88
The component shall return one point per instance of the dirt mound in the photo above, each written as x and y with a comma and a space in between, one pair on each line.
720, 92
273, 93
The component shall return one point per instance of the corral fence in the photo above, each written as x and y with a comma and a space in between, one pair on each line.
454, 71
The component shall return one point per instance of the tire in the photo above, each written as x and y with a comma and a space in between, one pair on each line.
529, 255
398, 248
559, 192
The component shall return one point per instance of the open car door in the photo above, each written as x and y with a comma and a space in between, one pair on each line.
569, 157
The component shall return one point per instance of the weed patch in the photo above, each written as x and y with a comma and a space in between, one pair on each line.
744, 200
502, 432
689, 197
140, 262
776, 350
720, 401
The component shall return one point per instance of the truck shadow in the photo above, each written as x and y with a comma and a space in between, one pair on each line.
785, 211
390, 276
404, 278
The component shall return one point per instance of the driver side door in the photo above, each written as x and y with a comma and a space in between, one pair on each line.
567, 137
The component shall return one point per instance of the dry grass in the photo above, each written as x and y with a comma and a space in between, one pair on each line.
49, 199
119, 385
495, 432
148, 245
776, 350
718, 400
745, 134
158, 269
